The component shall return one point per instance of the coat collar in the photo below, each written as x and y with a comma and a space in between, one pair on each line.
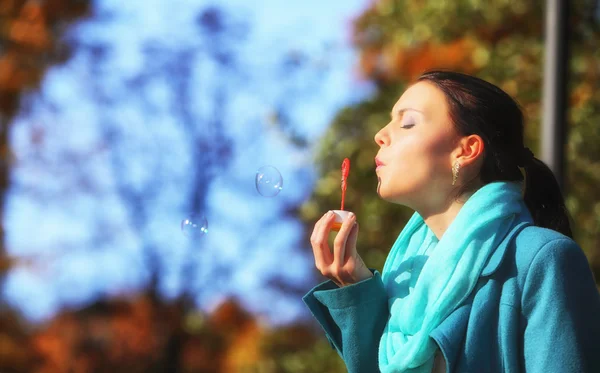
498, 254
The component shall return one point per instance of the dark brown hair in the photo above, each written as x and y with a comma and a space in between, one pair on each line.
477, 107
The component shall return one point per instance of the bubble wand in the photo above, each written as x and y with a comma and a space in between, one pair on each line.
345, 172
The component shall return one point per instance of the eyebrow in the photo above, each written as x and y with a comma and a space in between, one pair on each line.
401, 111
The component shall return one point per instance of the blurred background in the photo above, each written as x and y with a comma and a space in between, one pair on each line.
135, 237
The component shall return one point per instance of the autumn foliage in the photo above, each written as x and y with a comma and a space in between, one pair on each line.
145, 335
501, 41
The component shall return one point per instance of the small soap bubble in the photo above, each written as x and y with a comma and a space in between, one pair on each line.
194, 225
268, 181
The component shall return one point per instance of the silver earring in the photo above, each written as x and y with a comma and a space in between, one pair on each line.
455, 170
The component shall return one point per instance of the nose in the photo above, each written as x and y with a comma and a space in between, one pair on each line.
381, 137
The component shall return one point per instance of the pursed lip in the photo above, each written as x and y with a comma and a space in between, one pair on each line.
378, 163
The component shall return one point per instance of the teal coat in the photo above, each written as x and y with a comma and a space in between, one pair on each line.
536, 308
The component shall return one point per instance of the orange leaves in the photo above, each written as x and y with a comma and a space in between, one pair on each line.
369, 62
30, 29
114, 334
140, 334
241, 333
455, 55
132, 332
244, 351
57, 344
581, 94
15, 73
14, 352
394, 63
28, 35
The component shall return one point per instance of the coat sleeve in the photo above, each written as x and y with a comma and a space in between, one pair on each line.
561, 308
353, 318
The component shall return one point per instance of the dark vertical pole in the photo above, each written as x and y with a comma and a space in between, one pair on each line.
555, 91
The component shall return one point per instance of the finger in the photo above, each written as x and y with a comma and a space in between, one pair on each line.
315, 242
319, 243
339, 244
324, 230
316, 227
351, 242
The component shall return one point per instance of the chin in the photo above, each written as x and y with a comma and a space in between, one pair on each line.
393, 199
387, 196
394, 196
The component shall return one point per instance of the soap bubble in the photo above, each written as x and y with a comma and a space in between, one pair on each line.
268, 181
195, 225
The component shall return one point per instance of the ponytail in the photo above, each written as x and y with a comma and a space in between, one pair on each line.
544, 198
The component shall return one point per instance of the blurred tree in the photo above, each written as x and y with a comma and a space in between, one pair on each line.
162, 119
134, 335
203, 133
163, 126
31, 41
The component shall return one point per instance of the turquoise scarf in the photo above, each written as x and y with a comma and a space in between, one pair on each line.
427, 279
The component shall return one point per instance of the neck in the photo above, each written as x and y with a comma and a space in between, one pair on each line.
440, 218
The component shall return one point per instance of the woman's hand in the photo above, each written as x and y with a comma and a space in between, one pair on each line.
343, 266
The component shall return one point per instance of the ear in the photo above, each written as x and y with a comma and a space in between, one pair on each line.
468, 150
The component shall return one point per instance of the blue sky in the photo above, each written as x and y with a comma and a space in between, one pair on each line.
64, 219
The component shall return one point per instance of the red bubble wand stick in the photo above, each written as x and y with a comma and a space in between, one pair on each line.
345, 172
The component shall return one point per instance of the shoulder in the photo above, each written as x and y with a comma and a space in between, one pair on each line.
546, 256
535, 243
534, 235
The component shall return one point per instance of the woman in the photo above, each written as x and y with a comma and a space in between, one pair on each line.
485, 276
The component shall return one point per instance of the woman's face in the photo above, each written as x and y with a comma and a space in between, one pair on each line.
414, 163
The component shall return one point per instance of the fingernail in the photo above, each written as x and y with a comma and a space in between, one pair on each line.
351, 215
329, 213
